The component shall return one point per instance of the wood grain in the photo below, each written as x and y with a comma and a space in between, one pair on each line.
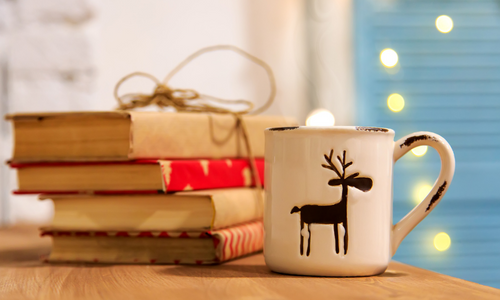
23, 276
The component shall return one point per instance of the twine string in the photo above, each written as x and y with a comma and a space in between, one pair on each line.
189, 100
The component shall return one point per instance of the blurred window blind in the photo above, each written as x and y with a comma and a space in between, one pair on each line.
451, 86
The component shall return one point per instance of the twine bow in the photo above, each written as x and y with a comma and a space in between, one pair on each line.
188, 100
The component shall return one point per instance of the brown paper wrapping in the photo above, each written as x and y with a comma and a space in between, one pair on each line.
188, 135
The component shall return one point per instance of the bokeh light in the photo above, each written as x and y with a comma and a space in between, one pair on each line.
444, 24
421, 192
396, 102
320, 117
419, 151
442, 241
389, 58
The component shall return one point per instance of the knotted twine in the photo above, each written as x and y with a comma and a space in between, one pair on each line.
189, 100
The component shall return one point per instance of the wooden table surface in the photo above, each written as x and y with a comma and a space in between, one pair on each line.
23, 276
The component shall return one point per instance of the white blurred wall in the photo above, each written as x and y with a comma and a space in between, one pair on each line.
48, 63
68, 54
154, 36
330, 35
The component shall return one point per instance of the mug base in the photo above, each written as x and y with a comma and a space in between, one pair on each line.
333, 276
340, 272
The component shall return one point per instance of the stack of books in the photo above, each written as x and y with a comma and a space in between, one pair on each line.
144, 187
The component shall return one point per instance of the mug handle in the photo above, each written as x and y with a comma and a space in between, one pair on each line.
401, 147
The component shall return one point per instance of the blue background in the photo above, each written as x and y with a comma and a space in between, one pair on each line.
451, 86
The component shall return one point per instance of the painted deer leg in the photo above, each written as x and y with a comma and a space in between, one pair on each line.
309, 239
336, 231
301, 238
346, 238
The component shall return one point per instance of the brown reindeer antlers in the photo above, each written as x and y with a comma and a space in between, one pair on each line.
330, 165
342, 162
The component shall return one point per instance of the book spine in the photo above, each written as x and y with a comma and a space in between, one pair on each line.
238, 241
197, 135
236, 206
186, 175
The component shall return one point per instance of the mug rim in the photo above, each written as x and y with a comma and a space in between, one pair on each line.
349, 129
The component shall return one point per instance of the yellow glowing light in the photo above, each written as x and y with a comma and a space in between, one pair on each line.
389, 58
444, 24
442, 241
419, 151
396, 102
320, 117
422, 192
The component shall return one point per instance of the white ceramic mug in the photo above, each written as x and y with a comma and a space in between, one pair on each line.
328, 208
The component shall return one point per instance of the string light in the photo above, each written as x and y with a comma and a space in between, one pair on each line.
442, 241
444, 24
389, 58
396, 102
320, 117
419, 151
421, 192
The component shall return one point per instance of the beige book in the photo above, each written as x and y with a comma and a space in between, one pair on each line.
192, 211
123, 135
208, 247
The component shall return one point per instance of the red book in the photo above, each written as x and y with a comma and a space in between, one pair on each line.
139, 176
156, 247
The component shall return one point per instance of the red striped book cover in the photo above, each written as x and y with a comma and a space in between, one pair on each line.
140, 176
208, 247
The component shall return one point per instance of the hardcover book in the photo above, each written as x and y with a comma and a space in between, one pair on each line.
129, 135
155, 247
142, 176
193, 211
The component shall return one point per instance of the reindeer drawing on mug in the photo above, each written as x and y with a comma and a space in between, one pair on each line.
334, 214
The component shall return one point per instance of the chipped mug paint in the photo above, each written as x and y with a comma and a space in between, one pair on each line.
328, 205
